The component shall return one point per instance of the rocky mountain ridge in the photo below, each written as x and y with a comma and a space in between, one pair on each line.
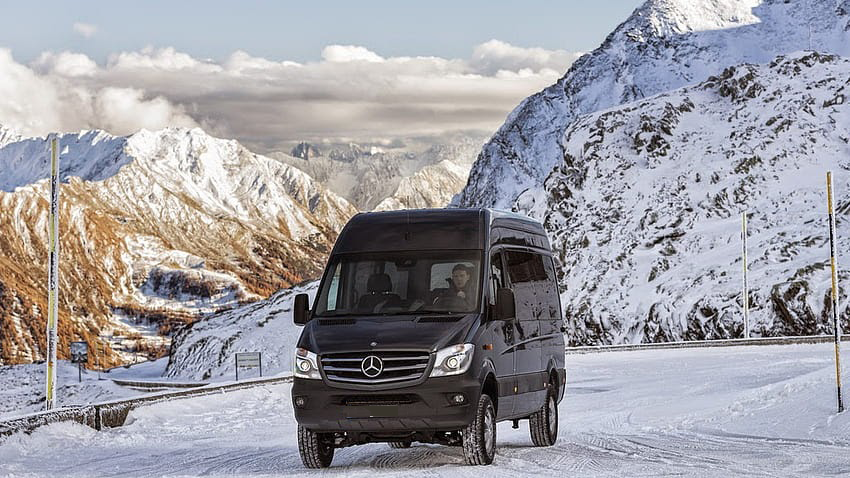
644, 209
663, 45
155, 227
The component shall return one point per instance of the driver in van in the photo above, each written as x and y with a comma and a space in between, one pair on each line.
460, 286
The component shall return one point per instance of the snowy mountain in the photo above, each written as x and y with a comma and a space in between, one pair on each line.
405, 174
432, 186
644, 209
206, 348
158, 225
665, 44
7, 135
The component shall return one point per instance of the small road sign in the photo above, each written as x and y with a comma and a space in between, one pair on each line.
79, 356
249, 360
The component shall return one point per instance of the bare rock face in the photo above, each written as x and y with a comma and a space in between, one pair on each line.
156, 229
644, 207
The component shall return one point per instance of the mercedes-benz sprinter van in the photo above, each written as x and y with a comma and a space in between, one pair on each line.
430, 326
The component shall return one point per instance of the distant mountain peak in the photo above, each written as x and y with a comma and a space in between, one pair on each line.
8, 135
304, 150
670, 17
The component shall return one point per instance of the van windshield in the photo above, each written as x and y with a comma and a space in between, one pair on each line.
408, 282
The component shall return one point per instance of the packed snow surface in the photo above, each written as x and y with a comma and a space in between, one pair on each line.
745, 411
23, 388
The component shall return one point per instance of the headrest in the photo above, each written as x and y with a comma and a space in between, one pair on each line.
379, 284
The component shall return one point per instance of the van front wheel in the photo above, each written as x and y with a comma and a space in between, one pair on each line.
479, 437
316, 449
544, 422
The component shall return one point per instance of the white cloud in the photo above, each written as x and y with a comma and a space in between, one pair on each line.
345, 53
158, 59
494, 56
65, 64
352, 92
85, 29
126, 110
60, 92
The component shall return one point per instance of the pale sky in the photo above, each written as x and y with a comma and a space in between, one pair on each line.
270, 72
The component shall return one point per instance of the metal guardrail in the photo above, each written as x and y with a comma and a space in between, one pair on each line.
113, 413
152, 385
810, 339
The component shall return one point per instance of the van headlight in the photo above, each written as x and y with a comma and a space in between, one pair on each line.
306, 364
453, 360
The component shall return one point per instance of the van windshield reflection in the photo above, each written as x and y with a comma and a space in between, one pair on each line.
399, 283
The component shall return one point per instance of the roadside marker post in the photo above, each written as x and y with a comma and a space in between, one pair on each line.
833, 260
745, 299
52, 275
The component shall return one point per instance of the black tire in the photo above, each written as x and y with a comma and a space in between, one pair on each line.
479, 437
399, 444
544, 422
316, 449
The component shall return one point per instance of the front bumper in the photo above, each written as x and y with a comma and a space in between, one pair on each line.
426, 407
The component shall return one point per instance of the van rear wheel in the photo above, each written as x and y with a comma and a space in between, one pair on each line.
479, 437
316, 449
544, 422
399, 444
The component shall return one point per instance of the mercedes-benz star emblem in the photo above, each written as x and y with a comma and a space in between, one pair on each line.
372, 366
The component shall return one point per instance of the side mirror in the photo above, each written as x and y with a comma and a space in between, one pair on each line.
301, 309
505, 304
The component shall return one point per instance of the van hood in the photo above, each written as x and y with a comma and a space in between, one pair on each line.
352, 333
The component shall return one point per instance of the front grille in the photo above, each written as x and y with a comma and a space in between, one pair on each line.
398, 366
366, 400
337, 321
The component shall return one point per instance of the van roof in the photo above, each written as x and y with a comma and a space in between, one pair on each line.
449, 213
428, 229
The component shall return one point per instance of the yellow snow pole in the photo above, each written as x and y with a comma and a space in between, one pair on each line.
745, 302
53, 274
835, 313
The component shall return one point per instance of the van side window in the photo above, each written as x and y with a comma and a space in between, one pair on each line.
333, 290
550, 271
497, 276
525, 267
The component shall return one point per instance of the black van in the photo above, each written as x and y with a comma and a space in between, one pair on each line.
430, 326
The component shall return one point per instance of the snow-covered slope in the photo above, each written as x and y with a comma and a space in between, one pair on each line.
206, 348
23, 385
164, 225
665, 44
644, 209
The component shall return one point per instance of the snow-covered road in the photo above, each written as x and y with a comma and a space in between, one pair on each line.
754, 411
